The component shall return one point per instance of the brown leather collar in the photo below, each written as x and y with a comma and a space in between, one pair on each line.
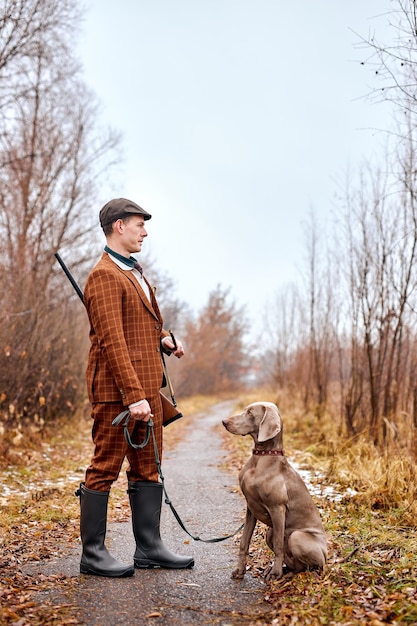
268, 452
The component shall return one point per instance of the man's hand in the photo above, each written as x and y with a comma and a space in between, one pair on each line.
168, 343
141, 412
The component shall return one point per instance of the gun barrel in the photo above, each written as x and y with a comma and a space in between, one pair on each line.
70, 277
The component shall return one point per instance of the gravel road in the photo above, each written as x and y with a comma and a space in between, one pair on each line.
206, 499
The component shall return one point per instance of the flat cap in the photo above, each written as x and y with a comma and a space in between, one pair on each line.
119, 208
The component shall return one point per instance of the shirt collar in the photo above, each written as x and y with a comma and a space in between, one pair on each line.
126, 263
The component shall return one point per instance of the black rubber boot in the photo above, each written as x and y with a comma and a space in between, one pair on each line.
145, 502
95, 558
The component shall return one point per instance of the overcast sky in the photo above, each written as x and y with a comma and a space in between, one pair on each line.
239, 117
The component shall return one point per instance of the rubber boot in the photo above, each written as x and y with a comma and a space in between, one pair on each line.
145, 502
95, 558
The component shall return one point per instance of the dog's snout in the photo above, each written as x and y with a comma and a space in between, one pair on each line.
228, 424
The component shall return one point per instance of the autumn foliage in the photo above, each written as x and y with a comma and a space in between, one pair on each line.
217, 357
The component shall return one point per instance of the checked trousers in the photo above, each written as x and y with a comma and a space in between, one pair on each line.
111, 448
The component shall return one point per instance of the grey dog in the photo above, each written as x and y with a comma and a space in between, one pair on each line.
277, 496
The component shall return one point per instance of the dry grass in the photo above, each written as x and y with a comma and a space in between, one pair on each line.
381, 480
372, 539
372, 569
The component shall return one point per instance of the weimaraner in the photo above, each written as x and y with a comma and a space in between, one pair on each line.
277, 496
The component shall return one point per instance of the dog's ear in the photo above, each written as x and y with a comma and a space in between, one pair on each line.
270, 424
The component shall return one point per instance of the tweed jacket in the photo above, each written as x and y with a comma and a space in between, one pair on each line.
124, 362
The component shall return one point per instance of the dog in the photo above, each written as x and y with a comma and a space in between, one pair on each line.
277, 496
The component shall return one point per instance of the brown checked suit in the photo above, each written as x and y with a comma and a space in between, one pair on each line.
124, 366
125, 370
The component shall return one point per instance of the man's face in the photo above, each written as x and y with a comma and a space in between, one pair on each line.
133, 233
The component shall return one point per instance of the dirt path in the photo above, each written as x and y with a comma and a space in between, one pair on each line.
206, 499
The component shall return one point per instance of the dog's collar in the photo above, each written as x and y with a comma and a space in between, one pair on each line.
268, 452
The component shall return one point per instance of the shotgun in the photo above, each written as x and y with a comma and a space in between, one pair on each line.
70, 277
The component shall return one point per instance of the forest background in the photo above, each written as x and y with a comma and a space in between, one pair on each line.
337, 352
344, 340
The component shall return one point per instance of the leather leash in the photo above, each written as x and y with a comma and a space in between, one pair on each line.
125, 415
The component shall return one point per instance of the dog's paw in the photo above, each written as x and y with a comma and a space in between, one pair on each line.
238, 574
273, 573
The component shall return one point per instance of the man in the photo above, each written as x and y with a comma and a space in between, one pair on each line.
124, 371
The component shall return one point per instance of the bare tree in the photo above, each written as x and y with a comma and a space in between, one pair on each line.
393, 61
380, 280
322, 291
25, 27
282, 334
52, 154
359, 308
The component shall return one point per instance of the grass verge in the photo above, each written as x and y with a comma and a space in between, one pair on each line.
372, 570
39, 515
